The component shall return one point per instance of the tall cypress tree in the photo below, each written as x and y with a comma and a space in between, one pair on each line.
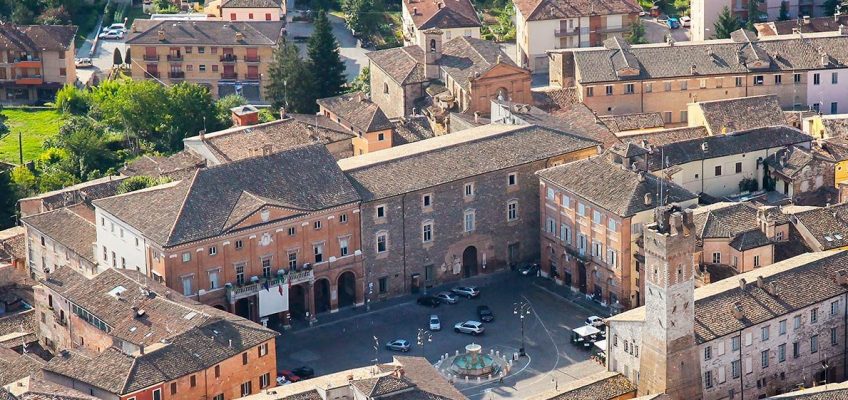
8, 200
725, 24
291, 81
327, 66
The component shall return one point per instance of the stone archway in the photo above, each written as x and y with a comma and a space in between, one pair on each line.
469, 261
322, 295
346, 286
297, 301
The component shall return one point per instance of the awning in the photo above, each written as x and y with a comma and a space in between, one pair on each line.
602, 345
586, 330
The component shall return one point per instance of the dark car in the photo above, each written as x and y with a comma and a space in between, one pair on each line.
529, 269
485, 314
429, 301
304, 372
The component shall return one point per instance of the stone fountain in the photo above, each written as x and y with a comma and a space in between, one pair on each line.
473, 363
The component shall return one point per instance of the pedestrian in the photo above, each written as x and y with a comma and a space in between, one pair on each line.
500, 381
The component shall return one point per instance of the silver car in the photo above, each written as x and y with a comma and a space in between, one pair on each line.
435, 323
398, 345
470, 327
467, 291
447, 297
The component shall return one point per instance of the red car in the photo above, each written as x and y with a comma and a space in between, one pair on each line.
287, 375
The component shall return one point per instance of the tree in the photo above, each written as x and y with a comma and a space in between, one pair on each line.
71, 100
637, 33
784, 11
291, 81
25, 182
362, 83
753, 14
127, 57
87, 147
190, 110
362, 16
327, 66
139, 182
116, 57
8, 200
223, 106
725, 24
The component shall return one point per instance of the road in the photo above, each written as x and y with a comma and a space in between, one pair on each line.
552, 360
352, 55
656, 32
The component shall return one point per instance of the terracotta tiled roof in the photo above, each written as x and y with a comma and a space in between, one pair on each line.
69, 227
215, 199
539, 10
209, 32
357, 110
828, 225
411, 130
806, 25
830, 391
177, 166
13, 243
666, 136
402, 64
600, 386
426, 378
629, 122
36, 38
442, 14
577, 120
735, 221
742, 113
14, 366
612, 187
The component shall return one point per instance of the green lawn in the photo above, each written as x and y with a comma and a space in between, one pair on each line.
36, 126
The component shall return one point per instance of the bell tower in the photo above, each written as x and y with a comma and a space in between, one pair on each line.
432, 47
669, 361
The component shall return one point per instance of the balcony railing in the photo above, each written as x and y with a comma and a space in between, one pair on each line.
290, 278
175, 57
251, 59
150, 75
151, 57
176, 75
252, 77
229, 75
29, 79
229, 58
566, 32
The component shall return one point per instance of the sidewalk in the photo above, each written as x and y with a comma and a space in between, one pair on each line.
344, 314
578, 298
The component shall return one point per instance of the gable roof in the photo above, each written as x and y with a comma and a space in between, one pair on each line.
666, 136
741, 113
604, 385
828, 225
575, 119
539, 10
251, 4
427, 378
356, 109
303, 179
177, 166
612, 187
15, 366
402, 64
442, 14
208, 32
741, 54
805, 25
68, 227
36, 38
629, 122
793, 160
447, 158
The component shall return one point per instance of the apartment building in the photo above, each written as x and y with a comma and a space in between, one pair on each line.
542, 25
755, 335
592, 213
252, 10
705, 13
119, 335
462, 74
35, 62
240, 235
455, 18
228, 57
456, 205
802, 24
62, 237
357, 114
618, 78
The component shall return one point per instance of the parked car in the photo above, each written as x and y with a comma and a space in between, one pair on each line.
285, 375
485, 314
447, 297
304, 372
429, 301
685, 21
662, 18
528, 269
82, 62
118, 27
594, 321
673, 23
467, 291
111, 35
470, 327
435, 323
398, 345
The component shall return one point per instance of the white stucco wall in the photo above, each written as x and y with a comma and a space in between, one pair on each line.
827, 92
131, 246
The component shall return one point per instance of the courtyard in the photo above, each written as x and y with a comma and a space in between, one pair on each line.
347, 339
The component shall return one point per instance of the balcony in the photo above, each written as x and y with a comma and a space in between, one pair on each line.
29, 80
229, 58
176, 75
251, 59
229, 75
252, 77
291, 278
566, 32
151, 57
175, 57
151, 75
30, 63
612, 29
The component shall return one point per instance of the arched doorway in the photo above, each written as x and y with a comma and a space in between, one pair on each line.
581, 276
347, 289
243, 308
297, 301
322, 295
469, 261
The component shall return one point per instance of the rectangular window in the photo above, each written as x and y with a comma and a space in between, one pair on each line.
201, 68
426, 200
834, 337
735, 369
667, 86
512, 211
708, 353
173, 388
778, 79
343, 218
566, 201
565, 233
427, 232
186, 257
581, 209
292, 260
758, 80
608, 90
649, 87
292, 231
213, 279
596, 217
834, 78
781, 327
470, 221
756, 261
612, 258
264, 380
213, 250
318, 251
244, 358
187, 286
381, 242
317, 225
512, 179
702, 83
266, 268
611, 225
764, 358
263, 349
796, 350
383, 285
718, 170
684, 85
814, 315
716, 258
834, 107
192, 381
239, 244
628, 88
764, 333
246, 388
738, 167
814, 344
735, 343
781, 353
834, 307
469, 189
240, 274
738, 81
381, 211
343, 246
684, 116
590, 91
816, 79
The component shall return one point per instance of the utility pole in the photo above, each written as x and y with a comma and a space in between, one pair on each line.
20, 148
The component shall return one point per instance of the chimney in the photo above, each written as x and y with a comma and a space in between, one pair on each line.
141, 349
737, 310
825, 60
498, 60
202, 135
761, 283
414, 10
441, 5
476, 117
806, 19
742, 284
231, 343
843, 30
693, 69
239, 37
772, 288
842, 277
161, 34
244, 115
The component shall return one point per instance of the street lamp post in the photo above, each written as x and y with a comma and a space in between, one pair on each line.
522, 309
